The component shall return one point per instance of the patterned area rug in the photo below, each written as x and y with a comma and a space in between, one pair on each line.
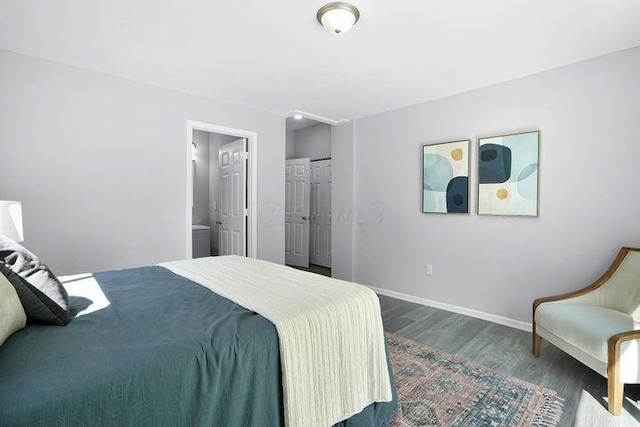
439, 389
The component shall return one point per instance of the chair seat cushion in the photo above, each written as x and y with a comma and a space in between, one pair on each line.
586, 327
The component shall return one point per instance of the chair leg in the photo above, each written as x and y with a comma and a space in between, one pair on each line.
616, 395
536, 344
615, 387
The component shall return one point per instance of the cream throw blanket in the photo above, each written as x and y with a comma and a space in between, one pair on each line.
332, 347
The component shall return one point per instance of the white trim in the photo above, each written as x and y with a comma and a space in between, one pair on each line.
315, 117
517, 324
252, 146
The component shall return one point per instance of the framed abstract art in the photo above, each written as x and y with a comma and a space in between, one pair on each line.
508, 174
445, 177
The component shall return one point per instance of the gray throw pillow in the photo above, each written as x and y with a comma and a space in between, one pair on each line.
42, 295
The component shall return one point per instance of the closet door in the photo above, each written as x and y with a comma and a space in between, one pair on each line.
320, 235
296, 212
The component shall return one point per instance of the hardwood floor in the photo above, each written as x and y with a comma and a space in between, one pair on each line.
509, 350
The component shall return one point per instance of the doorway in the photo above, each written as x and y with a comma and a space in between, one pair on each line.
221, 191
308, 195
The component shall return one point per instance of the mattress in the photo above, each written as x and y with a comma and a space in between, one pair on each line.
332, 347
147, 347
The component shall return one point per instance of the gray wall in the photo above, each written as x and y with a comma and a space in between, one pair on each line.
588, 114
201, 183
99, 163
290, 144
313, 142
342, 216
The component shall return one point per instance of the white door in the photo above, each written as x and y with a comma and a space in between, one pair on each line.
320, 234
296, 212
232, 223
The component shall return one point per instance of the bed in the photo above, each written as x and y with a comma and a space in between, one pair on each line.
151, 347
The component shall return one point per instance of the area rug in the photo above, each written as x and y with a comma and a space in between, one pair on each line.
439, 389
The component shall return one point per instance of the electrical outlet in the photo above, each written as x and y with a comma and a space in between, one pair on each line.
429, 270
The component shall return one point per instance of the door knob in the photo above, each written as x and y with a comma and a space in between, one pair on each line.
219, 222
304, 218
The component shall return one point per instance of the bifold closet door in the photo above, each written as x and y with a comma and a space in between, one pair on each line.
296, 212
320, 234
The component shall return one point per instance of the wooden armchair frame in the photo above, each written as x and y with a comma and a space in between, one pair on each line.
615, 388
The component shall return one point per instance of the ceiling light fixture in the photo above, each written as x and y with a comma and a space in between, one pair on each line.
297, 116
338, 17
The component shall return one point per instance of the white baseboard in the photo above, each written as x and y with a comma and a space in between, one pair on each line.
517, 324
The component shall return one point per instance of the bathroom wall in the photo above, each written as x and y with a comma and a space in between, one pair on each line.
201, 179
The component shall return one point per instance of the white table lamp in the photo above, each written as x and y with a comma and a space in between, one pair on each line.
11, 220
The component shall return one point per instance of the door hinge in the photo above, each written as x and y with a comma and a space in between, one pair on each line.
246, 155
246, 212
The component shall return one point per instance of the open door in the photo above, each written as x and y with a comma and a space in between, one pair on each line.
296, 214
232, 224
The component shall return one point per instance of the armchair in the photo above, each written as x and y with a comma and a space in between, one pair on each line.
598, 325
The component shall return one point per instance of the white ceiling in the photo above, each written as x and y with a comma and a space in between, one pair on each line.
275, 56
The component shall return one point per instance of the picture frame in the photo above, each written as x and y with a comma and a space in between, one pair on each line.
445, 177
509, 175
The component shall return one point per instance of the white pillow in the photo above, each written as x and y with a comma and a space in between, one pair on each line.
12, 315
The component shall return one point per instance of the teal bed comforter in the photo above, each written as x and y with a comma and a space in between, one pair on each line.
165, 351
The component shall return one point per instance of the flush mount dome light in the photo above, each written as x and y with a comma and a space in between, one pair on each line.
297, 116
338, 17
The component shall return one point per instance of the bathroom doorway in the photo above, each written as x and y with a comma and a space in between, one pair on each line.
221, 191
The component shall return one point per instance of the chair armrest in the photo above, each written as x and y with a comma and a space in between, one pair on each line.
617, 340
615, 386
613, 352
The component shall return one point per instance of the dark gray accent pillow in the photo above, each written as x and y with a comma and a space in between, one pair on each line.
42, 295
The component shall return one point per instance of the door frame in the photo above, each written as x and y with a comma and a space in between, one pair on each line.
252, 182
